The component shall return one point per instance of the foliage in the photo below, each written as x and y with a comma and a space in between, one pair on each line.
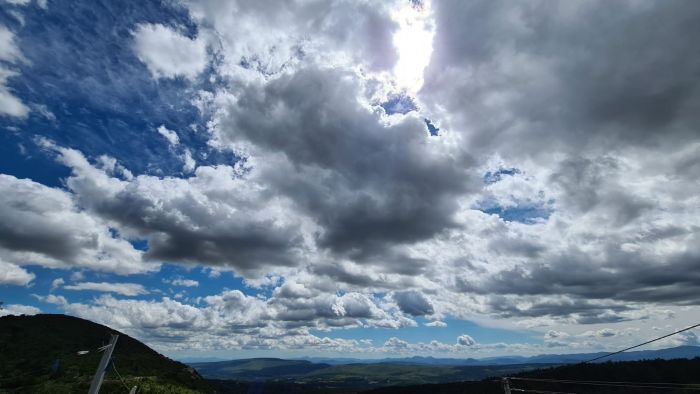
38, 354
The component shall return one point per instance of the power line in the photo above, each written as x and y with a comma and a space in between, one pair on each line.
641, 344
541, 391
612, 384
680, 385
120, 376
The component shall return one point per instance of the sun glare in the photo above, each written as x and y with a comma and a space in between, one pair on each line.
414, 42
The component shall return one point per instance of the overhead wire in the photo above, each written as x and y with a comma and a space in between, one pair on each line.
641, 344
540, 391
615, 384
641, 385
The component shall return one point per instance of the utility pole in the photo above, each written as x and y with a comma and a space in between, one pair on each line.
506, 385
104, 363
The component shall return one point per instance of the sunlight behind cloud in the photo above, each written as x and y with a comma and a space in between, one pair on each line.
414, 43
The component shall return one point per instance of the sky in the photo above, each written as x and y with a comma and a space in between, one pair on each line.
354, 178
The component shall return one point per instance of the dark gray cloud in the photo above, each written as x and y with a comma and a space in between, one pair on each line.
566, 76
195, 220
621, 276
366, 184
42, 225
413, 302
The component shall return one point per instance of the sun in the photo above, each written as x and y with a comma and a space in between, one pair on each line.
414, 43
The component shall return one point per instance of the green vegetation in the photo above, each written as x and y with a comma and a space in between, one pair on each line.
348, 377
679, 371
38, 354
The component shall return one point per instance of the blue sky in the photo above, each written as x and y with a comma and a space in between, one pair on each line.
351, 179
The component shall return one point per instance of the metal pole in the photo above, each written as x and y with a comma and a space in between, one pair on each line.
102, 368
506, 385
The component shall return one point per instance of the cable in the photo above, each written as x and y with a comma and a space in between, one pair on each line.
612, 384
679, 385
541, 391
120, 377
641, 344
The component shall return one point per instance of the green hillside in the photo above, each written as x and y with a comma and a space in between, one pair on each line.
347, 377
639, 375
256, 368
38, 354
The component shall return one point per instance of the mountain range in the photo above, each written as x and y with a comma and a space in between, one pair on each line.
664, 354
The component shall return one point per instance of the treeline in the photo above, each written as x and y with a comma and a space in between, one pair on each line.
636, 373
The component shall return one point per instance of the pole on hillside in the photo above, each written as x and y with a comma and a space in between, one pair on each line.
102, 368
506, 385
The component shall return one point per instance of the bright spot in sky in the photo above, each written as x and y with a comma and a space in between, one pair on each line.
414, 42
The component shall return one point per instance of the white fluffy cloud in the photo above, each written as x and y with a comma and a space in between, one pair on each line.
11, 274
169, 135
168, 53
127, 289
43, 225
16, 309
466, 340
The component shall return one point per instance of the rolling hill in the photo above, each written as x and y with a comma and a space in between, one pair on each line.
347, 376
664, 354
635, 377
38, 355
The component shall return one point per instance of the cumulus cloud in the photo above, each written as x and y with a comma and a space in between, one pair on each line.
182, 218
43, 225
57, 283
16, 309
11, 274
167, 53
466, 340
127, 289
561, 191
413, 302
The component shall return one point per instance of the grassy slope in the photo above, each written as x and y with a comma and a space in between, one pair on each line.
30, 346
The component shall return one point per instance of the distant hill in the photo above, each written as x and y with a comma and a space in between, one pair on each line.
256, 368
38, 355
669, 372
664, 354
347, 377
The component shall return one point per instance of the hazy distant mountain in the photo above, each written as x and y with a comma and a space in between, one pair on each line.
38, 354
665, 354
348, 377
256, 368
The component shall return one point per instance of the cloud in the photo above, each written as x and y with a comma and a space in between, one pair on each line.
127, 289
11, 274
403, 190
466, 340
413, 302
57, 283
182, 282
282, 37
182, 218
169, 54
169, 135
42, 225
9, 52
559, 192
16, 309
